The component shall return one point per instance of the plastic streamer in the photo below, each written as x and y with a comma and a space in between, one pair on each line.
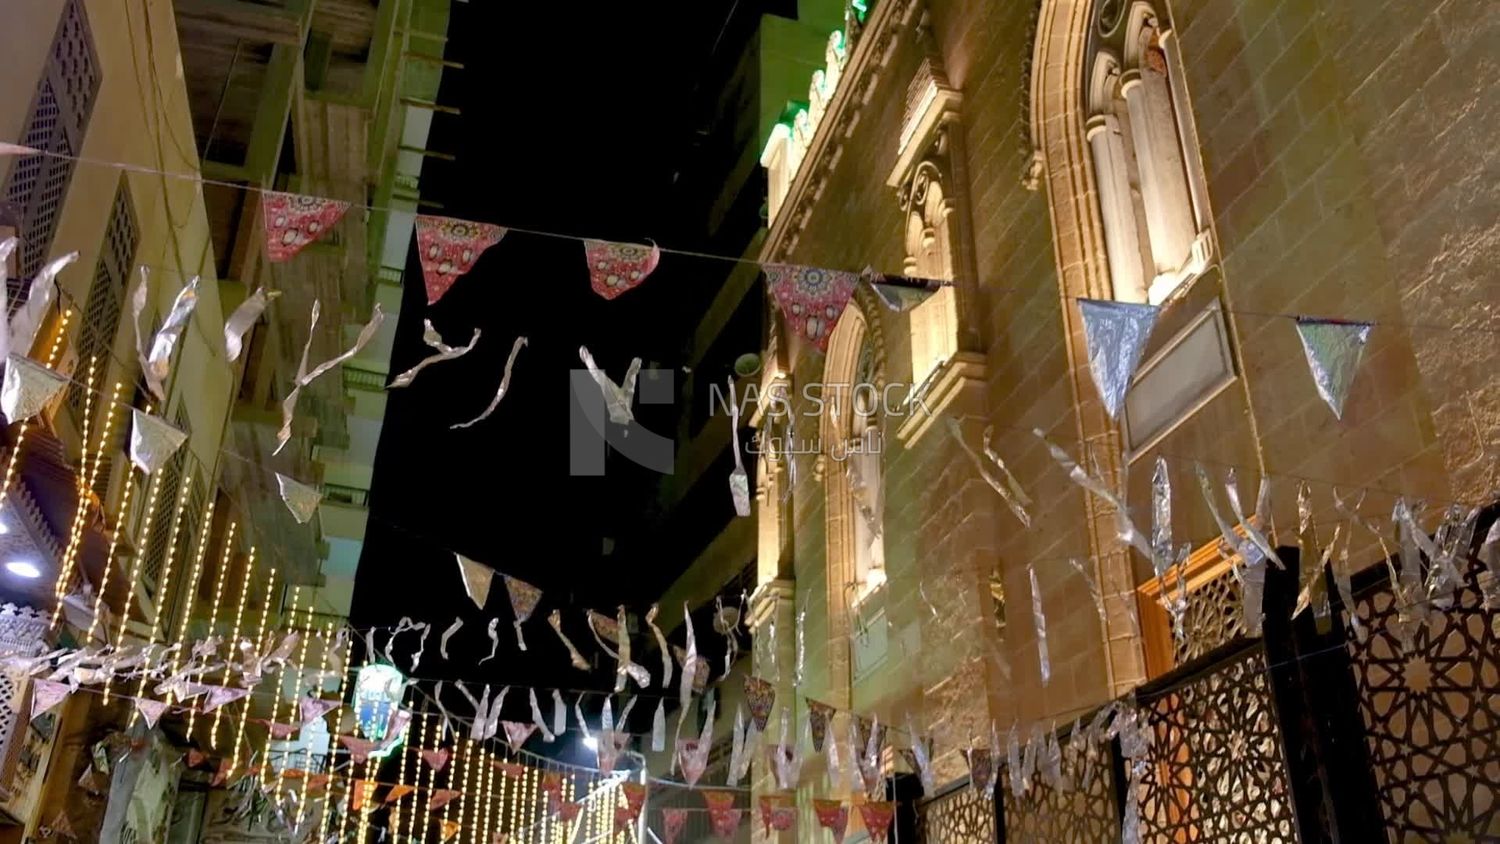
617, 397
1039, 619
243, 319
445, 352
158, 362
448, 634
494, 635
510, 362
1004, 482
555, 619
305, 377
661, 642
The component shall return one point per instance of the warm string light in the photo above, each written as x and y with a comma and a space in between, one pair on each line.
135, 570
260, 632
213, 610
234, 637
164, 584
75, 532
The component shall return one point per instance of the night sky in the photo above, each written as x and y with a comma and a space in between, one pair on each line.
578, 121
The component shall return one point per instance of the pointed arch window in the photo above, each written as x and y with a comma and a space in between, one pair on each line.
1152, 197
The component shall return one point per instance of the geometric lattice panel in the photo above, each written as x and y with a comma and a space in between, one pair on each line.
1215, 771
1045, 814
1432, 717
961, 816
1213, 617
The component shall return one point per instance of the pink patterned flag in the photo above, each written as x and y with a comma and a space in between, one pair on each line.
761, 696
437, 760
877, 817
617, 267
293, 221
448, 249
722, 814
46, 694
672, 822
150, 710
811, 299
832, 816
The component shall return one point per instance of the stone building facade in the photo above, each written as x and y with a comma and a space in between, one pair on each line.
1237, 162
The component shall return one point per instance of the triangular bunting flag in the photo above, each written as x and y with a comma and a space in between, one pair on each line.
476, 577
301, 499
448, 829
27, 388
440, 798
617, 267
672, 823
152, 441
811, 299
220, 695
397, 792
1333, 349
761, 696
1116, 334
833, 816
293, 221
448, 249
46, 694
437, 760
312, 708
523, 600
150, 710
877, 817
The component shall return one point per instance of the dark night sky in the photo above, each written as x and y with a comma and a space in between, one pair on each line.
574, 121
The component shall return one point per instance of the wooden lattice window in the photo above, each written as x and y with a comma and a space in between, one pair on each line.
59, 114
101, 311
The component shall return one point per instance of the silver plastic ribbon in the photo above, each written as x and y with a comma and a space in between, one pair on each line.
305, 377
555, 619
739, 479
995, 472
536, 718
448, 634
1039, 620
1333, 348
661, 642
617, 397
494, 635
152, 441
42, 293
1116, 334
301, 499
243, 319
445, 352
28, 388
159, 359
510, 362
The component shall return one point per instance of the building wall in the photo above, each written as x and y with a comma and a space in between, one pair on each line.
1347, 176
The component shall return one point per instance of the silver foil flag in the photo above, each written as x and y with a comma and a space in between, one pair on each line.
1116, 334
617, 397
1004, 482
510, 362
305, 377
448, 634
1333, 349
39, 298
7, 247
152, 441
555, 619
661, 642
476, 577
301, 499
243, 319
445, 352
739, 479
493, 632
1039, 620
159, 357
28, 387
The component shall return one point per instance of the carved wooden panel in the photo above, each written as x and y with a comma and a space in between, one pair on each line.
1215, 771
1432, 716
960, 816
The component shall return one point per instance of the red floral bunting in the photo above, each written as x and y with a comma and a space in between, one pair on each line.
877, 817
761, 696
448, 249
293, 221
811, 299
832, 816
617, 267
